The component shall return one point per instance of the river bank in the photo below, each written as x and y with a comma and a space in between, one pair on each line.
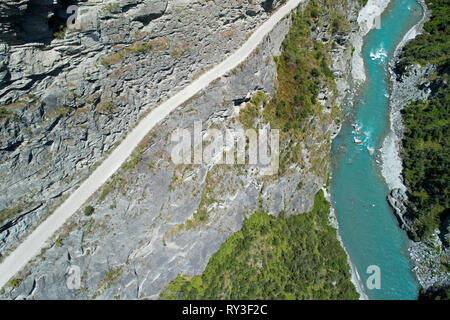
355, 278
367, 20
405, 87
368, 228
400, 93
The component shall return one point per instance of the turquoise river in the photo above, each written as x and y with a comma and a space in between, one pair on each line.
367, 225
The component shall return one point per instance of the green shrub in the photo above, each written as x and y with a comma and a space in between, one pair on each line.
298, 257
15, 283
427, 128
89, 210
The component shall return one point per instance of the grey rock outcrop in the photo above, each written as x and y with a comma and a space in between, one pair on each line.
135, 231
397, 199
66, 102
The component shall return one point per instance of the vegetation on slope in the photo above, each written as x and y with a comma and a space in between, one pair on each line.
295, 257
433, 45
298, 257
302, 70
427, 128
427, 136
435, 294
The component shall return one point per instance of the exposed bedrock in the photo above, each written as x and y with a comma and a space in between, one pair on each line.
68, 95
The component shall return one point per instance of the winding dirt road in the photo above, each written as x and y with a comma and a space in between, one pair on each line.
33, 244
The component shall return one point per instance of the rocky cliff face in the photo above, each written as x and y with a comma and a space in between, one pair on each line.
67, 96
154, 219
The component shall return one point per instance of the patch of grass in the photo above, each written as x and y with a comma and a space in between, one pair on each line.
4, 113
106, 107
10, 213
251, 111
111, 7
135, 158
58, 242
110, 186
137, 47
15, 283
111, 276
61, 33
179, 49
213, 188
89, 211
362, 2
58, 112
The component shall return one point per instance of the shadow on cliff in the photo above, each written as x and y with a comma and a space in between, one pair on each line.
37, 21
